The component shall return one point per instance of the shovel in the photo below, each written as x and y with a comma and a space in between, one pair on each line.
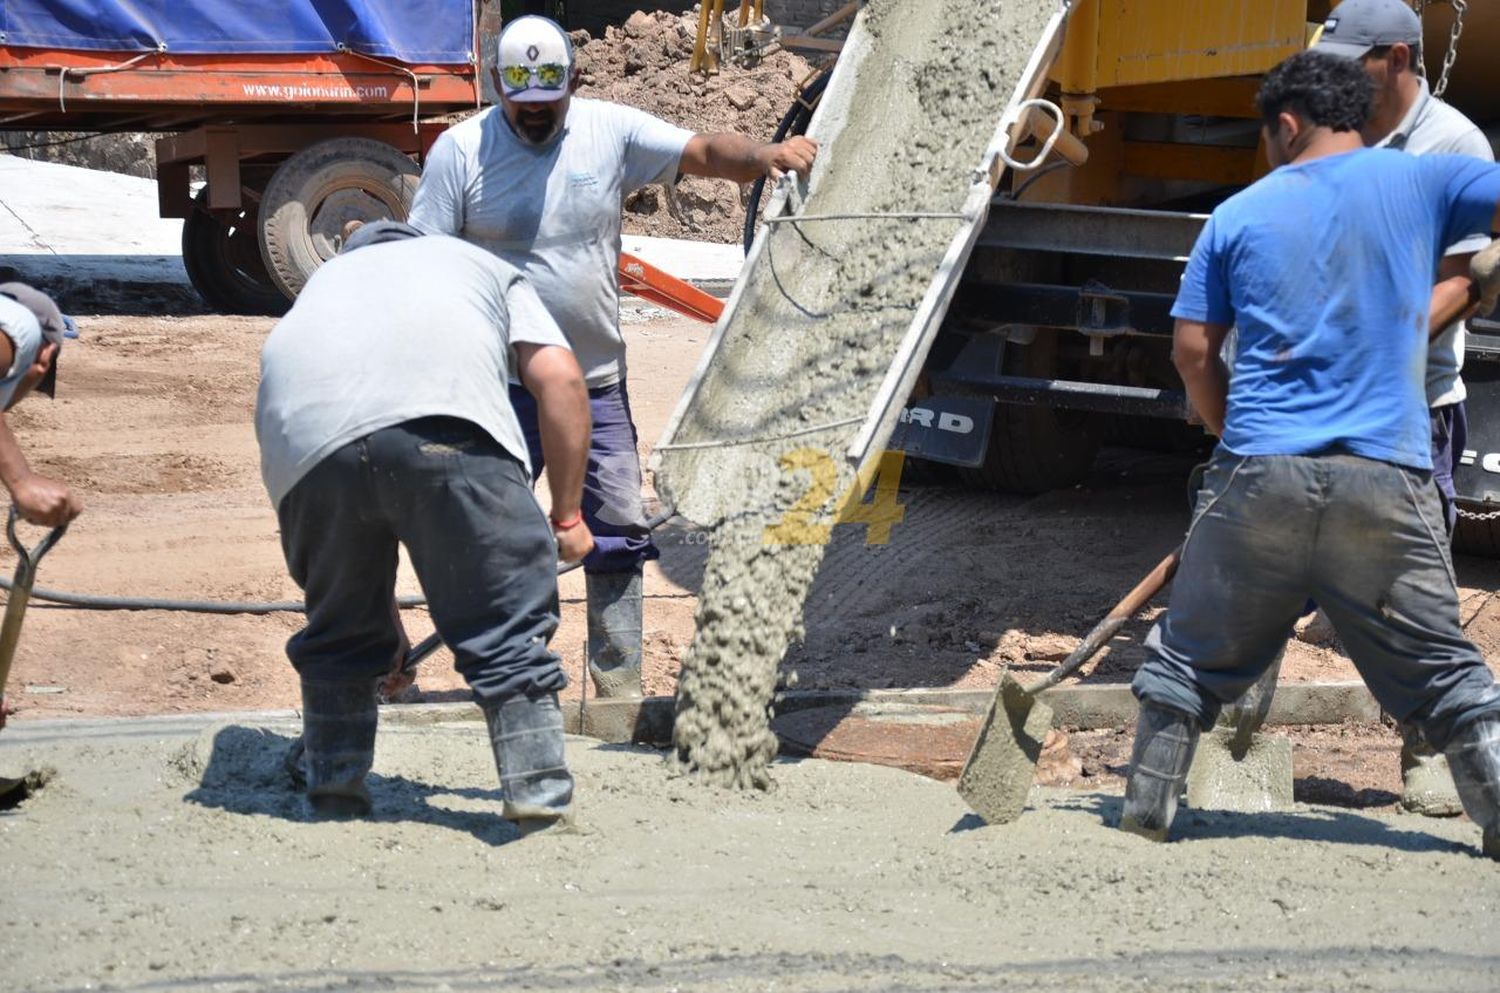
15, 612
997, 778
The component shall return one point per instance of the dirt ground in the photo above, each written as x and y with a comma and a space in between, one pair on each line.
153, 424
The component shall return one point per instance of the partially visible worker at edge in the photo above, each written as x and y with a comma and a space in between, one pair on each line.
381, 420
539, 181
1385, 37
1321, 485
33, 331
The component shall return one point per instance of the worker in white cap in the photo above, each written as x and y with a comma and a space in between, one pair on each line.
539, 181
1385, 37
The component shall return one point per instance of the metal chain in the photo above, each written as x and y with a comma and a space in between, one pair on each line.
1460, 7
1469, 515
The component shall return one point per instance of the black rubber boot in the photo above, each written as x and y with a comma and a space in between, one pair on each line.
1164, 744
338, 735
527, 736
614, 621
1474, 760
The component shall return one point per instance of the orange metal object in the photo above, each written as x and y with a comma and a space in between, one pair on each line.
650, 283
68, 88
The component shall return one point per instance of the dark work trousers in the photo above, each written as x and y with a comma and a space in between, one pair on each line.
1450, 434
1365, 540
611, 486
481, 547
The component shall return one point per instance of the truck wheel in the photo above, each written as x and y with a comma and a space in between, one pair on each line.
313, 194
1475, 535
222, 258
1034, 450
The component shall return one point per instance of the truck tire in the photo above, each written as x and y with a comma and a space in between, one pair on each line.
223, 262
1474, 535
1034, 450
313, 194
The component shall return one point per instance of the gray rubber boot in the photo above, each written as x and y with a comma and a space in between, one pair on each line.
1164, 744
615, 614
1474, 757
1426, 784
338, 735
527, 736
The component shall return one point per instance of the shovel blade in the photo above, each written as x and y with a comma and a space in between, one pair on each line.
997, 778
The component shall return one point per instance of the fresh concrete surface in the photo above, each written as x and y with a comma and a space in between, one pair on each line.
185, 862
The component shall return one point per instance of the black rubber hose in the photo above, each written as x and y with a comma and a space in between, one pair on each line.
794, 122
89, 601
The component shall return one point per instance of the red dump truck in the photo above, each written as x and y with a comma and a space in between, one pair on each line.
281, 119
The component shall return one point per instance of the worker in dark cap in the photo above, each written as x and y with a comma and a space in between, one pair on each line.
34, 332
383, 420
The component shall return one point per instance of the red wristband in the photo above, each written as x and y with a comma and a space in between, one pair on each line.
570, 524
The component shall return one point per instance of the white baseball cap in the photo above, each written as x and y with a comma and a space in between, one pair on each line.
535, 60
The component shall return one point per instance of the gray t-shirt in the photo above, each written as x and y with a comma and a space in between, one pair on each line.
19, 325
553, 212
1432, 127
390, 333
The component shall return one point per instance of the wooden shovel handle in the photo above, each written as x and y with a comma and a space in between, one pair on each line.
1106, 629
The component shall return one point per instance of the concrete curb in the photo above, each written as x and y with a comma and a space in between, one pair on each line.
649, 720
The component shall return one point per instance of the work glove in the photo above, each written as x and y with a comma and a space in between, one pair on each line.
1484, 269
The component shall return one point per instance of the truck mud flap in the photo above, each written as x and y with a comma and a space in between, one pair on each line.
951, 429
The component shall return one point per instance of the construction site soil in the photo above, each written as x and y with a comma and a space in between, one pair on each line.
644, 63
153, 425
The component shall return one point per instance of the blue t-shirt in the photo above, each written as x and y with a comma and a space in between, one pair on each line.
1326, 267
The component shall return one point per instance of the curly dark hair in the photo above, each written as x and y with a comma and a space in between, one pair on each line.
1325, 90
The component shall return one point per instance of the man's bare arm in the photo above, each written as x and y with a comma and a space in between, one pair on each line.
552, 375
1455, 295
744, 160
1195, 353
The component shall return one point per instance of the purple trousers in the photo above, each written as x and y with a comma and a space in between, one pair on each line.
1450, 433
611, 486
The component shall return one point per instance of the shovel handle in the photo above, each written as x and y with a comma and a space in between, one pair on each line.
20, 590
1106, 629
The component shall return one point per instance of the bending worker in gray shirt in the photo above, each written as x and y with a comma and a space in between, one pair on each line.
382, 420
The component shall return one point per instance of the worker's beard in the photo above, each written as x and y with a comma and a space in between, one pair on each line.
537, 124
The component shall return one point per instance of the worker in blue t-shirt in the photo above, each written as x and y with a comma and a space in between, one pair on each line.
1321, 485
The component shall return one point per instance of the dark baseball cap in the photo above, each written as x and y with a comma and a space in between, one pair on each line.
56, 327
1356, 26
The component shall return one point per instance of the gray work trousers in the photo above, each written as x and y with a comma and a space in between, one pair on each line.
479, 543
1363, 538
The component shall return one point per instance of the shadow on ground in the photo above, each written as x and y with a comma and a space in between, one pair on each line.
240, 770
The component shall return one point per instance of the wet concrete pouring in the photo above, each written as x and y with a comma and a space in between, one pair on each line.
822, 313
